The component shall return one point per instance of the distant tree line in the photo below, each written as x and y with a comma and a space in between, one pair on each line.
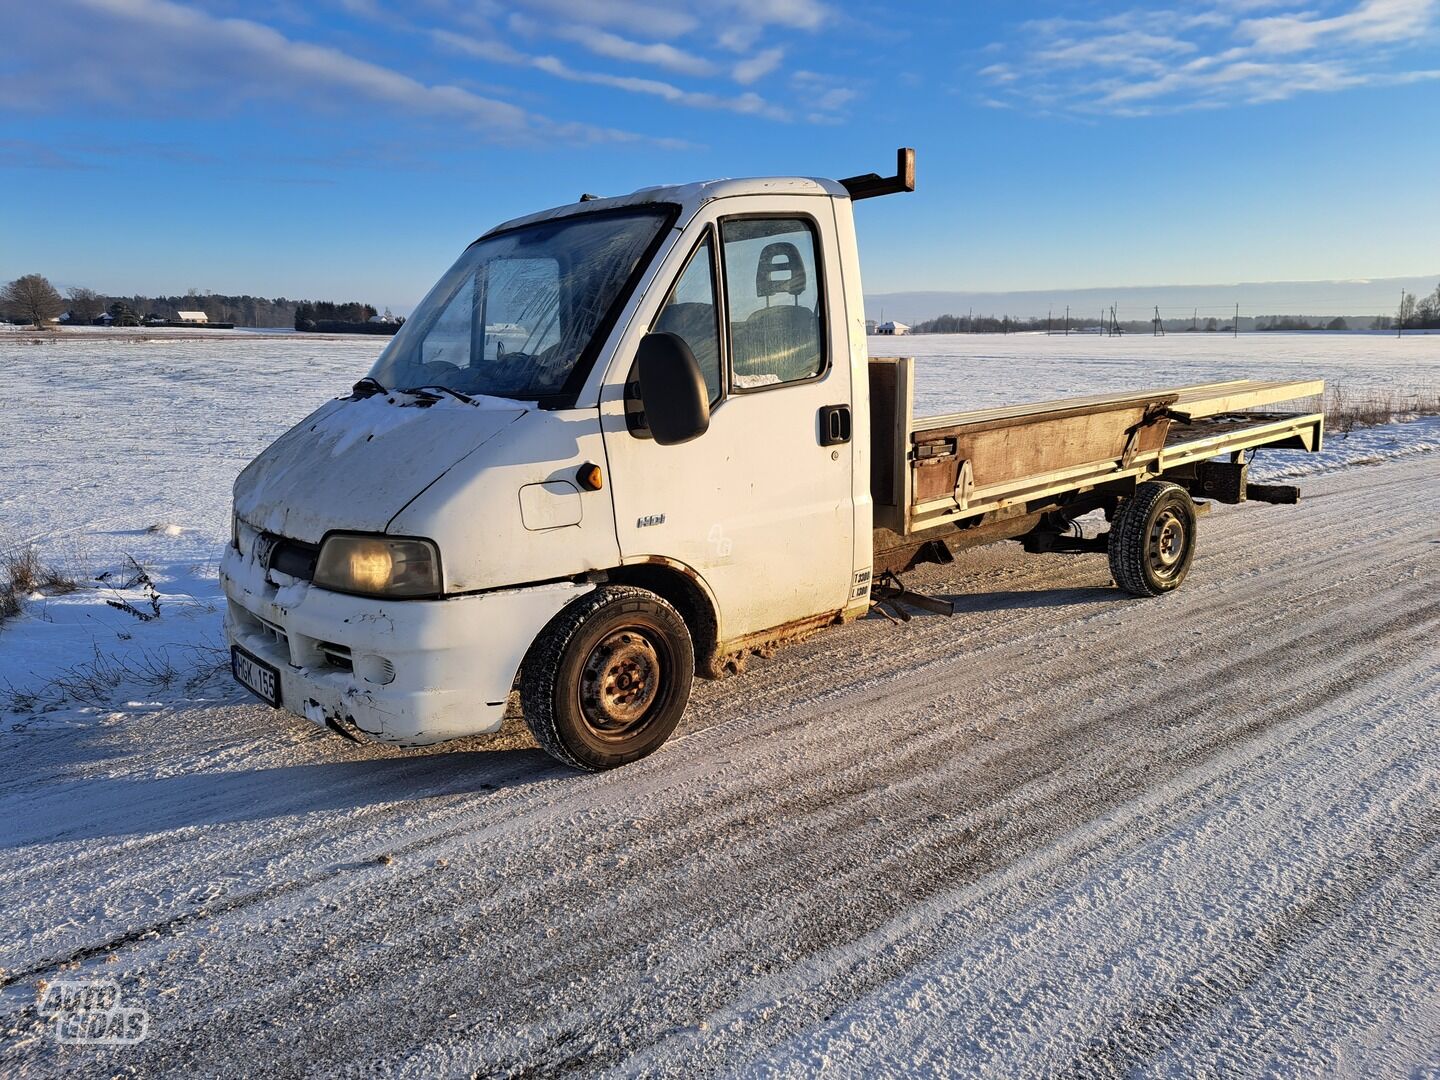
1421, 314
1414, 313
989, 324
1300, 322
31, 298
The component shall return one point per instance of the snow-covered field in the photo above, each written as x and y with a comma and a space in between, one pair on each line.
1062, 832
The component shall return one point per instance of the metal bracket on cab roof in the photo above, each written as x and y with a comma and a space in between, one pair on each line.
871, 185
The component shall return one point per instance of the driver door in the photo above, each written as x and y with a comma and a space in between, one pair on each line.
759, 506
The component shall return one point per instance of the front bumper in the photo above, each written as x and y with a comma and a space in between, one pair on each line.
411, 672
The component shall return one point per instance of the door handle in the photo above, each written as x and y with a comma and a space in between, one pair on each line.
834, 424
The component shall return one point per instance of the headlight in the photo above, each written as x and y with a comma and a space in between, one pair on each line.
378, 566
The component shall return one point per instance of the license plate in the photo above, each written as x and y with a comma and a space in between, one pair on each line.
255, 675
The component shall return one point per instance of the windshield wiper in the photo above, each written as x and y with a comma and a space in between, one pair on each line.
434, 390
367, 387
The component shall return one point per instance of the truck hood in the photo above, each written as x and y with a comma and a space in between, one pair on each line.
355, 463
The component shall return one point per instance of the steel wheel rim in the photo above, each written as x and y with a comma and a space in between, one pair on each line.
1169, 540
620, 684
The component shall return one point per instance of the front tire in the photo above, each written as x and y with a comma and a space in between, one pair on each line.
1152, 539
607, 681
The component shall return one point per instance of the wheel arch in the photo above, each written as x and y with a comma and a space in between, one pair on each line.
685, 591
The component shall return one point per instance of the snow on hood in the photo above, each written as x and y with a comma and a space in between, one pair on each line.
355, 462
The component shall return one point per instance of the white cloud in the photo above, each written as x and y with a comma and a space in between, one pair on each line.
663, 21
1372, 21
155, 53
164, 56
748, 103
656, 54
743, 22
758, 66
799, 14
1212, 54
481, 48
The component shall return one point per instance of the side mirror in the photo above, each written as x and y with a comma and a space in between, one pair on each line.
672, 389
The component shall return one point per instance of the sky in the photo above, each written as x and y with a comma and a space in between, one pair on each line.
350, 149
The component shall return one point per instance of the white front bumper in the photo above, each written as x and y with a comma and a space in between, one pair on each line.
411, 672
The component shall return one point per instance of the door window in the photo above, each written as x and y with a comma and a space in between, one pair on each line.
772, 285
691, 313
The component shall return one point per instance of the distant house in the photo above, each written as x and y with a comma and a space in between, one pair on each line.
191, 317
893, 328
869, 327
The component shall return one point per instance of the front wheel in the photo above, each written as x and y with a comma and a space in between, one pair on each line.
1152, 539
608, 679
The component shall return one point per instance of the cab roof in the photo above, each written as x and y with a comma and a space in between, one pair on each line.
689, 196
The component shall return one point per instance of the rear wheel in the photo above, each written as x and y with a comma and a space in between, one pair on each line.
608, 679
1152, 539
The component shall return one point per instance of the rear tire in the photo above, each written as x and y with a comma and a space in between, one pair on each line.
1152, 539
608, 679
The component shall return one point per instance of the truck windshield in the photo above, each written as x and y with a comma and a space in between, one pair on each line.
518, 311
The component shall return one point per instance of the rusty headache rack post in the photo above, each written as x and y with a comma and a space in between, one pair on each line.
871, 185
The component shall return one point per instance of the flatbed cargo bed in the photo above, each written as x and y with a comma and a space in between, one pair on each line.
969, 469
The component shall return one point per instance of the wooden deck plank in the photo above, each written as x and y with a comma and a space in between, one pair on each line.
1213, 401
1203, 399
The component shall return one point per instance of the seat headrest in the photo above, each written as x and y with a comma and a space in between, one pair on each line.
780, 257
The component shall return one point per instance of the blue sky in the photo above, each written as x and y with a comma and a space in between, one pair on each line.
350, 149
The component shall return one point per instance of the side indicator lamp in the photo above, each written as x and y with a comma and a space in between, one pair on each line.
590, 477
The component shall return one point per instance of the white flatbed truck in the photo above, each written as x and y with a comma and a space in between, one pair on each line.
629, 440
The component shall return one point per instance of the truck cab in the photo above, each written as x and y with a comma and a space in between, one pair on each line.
617, 443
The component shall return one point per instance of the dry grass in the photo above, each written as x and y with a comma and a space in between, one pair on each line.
22, 574
94, 682
1346, 410
22, 570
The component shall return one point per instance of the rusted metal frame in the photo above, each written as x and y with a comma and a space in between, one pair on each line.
1157, 415
999, 496
935, 428
1223, 481
1306, 430
730, 655
937, 512
890, 593
893, 552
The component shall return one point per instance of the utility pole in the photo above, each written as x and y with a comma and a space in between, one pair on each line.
1195, 321
1237, 319
1048, 314
1400, 315
1159, 325
1067, 320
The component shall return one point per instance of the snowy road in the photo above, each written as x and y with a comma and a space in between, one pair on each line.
1064, 832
